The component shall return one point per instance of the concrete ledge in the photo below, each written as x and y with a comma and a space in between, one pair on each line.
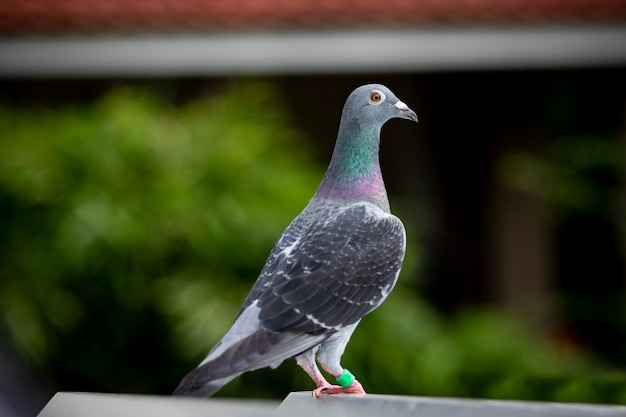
80, 404
302, 404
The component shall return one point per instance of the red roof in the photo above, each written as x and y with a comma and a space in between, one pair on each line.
59, 16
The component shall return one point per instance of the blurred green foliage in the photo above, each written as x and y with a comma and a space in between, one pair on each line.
406, 348
573, 173
129, 225
579, 178
132, 230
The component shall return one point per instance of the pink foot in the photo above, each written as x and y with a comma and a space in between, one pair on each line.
354, 388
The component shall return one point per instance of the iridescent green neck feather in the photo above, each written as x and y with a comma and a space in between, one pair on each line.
354, 171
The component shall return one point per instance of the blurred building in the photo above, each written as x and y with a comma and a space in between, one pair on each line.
200, 38
500, 87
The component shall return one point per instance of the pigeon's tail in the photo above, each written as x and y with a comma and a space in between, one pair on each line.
227, 361
189, 388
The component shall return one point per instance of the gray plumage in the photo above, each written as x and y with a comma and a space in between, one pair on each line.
337, 261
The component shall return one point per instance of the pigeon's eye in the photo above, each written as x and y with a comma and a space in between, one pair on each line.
376, 97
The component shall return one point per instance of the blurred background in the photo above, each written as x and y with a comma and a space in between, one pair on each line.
151, 152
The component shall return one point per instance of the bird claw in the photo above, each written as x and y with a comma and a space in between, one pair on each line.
354, 388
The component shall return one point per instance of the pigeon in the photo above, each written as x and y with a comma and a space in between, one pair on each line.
336, 262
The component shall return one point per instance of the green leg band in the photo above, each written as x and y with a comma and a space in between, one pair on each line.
345, 379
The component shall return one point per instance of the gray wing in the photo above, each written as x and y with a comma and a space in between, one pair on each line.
332, 277
324, 273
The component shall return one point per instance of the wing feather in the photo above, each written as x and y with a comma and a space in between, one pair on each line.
333, 275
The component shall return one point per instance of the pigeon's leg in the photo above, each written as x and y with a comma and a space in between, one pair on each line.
329, 357
306, 361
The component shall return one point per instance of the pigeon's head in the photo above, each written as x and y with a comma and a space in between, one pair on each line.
376, 103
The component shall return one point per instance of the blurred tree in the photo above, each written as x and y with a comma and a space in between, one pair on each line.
132, 230
580, 176
128, 225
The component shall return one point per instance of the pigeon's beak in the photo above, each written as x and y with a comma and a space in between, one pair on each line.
406, 113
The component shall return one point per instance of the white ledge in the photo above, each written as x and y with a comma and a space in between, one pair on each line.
302, 404
82, 404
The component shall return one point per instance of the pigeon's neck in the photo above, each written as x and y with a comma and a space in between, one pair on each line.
354, 170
